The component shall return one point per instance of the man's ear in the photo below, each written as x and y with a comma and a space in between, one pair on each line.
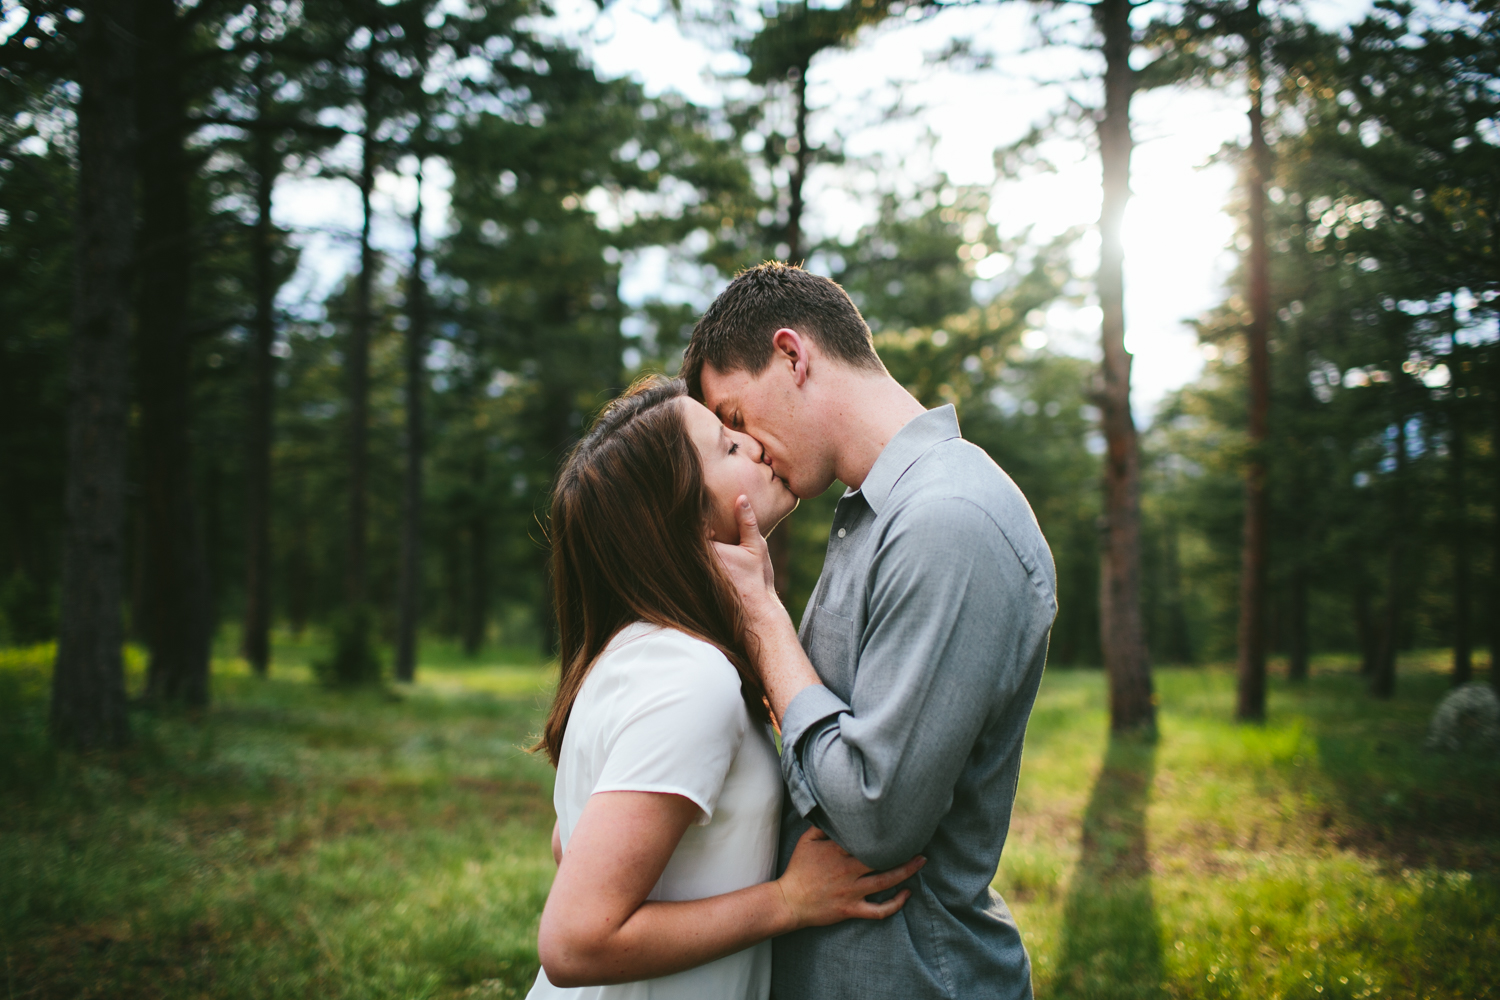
791, 349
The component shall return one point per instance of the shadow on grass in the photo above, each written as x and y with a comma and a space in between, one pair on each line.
1111, 939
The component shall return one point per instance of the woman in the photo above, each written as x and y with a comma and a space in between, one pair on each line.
668, 785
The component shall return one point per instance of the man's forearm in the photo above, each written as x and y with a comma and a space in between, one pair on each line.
778, 658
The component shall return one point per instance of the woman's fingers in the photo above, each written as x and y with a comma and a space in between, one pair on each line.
880, 881
879, 911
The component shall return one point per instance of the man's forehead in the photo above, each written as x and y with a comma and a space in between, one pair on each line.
721, 391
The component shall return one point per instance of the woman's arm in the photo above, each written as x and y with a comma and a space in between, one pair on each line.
557, 843
597, 927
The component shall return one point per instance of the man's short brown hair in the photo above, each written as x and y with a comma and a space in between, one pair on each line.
735, 333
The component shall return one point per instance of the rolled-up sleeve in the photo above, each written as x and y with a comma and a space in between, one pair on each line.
952, 618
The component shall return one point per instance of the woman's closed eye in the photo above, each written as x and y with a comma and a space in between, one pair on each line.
734, 447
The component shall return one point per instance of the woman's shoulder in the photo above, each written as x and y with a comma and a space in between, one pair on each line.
646, 654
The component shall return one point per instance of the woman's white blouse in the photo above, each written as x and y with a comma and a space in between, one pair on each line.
662, 712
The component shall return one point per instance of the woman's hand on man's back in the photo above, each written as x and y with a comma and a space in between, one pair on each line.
824, 883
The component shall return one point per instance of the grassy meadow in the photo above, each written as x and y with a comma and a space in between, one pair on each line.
297, 842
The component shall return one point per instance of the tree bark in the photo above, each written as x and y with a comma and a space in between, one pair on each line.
357, 360
1250, 704
257, 637
1383, 679
779, 542
88, 681
136, 514
1131, 700
177, 633
1463, 665
409, 596
799, 168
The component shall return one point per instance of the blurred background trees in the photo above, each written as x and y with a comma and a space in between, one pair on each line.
370, 457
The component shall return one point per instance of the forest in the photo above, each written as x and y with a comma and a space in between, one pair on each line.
378, 461
217, 473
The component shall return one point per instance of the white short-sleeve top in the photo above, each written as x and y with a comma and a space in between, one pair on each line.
662, 711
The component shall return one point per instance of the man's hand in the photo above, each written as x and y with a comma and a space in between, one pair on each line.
749, 566
776, 654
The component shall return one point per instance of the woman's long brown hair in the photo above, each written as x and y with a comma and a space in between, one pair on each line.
629, 532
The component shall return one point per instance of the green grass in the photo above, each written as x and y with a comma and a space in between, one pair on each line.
1323, 855
297, 842
293, 842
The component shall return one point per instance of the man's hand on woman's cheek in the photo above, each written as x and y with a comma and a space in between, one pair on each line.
749, 567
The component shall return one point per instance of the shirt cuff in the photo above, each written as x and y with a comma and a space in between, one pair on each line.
813, 706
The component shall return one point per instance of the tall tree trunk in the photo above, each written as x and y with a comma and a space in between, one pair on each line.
177, 579
137, 562
779, 542
257, 637
409, 595
1250, 704
357, 361
1383, 680
1463, 665
800, 161
88, 681
1131, 701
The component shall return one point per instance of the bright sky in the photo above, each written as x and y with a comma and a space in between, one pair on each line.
1177, 233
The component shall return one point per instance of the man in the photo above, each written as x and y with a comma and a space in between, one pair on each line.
904, 703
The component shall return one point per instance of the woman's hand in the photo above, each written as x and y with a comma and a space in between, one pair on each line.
824, 883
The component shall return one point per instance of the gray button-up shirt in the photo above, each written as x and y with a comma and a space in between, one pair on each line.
929, 629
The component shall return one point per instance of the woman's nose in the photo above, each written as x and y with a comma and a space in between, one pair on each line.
752, 447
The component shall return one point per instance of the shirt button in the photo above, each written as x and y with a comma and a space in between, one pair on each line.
842, 532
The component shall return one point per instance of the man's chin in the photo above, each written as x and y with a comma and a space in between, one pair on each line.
807, 491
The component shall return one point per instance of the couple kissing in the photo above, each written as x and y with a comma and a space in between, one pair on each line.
699, 857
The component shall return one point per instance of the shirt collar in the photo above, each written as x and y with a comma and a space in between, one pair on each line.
919, 434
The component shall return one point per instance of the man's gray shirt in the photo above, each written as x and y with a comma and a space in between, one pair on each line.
929, 629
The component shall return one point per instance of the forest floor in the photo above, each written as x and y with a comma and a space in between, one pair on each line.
294, 842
